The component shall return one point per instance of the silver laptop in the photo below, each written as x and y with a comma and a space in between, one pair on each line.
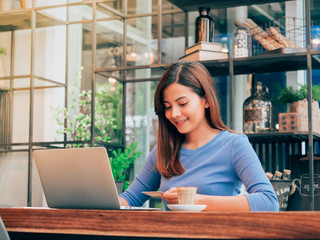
78, 178
3, 232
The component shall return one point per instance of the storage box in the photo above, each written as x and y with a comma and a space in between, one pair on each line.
297, 119
288, 122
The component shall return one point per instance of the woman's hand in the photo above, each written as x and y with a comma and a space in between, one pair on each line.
171, 196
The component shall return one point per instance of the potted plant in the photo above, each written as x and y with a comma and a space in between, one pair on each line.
107, 127
121, 161
297, 98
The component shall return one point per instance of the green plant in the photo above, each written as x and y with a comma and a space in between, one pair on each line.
290, 95
122, 160
108, 124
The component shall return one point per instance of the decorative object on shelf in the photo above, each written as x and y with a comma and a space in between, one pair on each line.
204, 26
283, 187
302, 195
257, 111
297, 118
202, 51
288, 122
241, 42
203, 55
283, 35
207, 46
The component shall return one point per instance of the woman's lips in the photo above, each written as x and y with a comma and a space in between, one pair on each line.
179, 123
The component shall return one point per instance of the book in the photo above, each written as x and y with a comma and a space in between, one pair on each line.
203, 55
210, 46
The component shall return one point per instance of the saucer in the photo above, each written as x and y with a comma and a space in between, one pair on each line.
186, 208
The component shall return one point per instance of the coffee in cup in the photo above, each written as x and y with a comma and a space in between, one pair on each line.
186, 195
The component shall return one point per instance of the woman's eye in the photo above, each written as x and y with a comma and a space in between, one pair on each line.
183, 104
167, 107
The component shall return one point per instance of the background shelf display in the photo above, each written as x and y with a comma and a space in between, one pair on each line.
275, 150
127, 72
18, 20
263, 64
281, 137
190, 5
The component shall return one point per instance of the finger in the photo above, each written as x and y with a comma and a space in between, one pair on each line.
169, 195
173, 201
172, 190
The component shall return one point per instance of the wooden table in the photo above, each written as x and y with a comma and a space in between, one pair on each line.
33, 223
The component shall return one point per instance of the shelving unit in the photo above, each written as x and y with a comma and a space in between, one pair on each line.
264, 144
263, 63
273, 149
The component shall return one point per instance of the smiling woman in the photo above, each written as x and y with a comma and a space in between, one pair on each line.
196, 149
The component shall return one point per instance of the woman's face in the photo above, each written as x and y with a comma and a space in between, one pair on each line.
184, 108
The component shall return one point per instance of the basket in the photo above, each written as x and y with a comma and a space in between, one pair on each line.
282, 35
282, 189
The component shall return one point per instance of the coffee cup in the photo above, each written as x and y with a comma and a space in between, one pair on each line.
186, 195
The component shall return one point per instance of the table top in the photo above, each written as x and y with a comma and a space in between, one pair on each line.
163, 224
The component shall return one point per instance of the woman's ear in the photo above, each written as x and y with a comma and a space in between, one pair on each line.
206, 104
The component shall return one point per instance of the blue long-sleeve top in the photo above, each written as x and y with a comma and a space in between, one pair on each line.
219, 168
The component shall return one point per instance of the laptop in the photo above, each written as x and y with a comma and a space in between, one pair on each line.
3, 231
78, 178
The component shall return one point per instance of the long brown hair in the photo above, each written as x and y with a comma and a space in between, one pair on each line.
196, 76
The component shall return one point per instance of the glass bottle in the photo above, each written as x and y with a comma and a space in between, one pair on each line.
269, 175
277, 175
286, 174
257, 111
241, 42
204, 26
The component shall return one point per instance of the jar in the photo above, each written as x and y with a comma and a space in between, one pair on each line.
241, 42
204, 26
257, 111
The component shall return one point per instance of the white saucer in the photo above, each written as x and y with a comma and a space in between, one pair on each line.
186, 208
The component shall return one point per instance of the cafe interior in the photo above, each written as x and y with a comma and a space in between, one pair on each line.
80, 74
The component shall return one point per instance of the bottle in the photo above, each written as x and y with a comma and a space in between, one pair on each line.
277, 175
286, 174
204, 26
241, 42
257, 111
269, 175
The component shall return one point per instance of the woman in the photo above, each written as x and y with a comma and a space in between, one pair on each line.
195, 148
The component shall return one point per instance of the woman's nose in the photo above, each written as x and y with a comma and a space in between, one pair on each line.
176, 112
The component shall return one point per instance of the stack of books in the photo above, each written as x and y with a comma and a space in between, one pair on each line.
203, 51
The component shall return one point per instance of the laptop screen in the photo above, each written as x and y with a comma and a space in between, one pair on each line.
3, 232
77, 178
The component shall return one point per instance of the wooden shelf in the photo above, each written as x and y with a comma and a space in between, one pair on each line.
191, 5
21, 19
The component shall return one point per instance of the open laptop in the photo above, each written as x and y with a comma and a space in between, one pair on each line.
78, 178
3, 231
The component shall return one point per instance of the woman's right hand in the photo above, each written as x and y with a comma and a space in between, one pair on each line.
171, 196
